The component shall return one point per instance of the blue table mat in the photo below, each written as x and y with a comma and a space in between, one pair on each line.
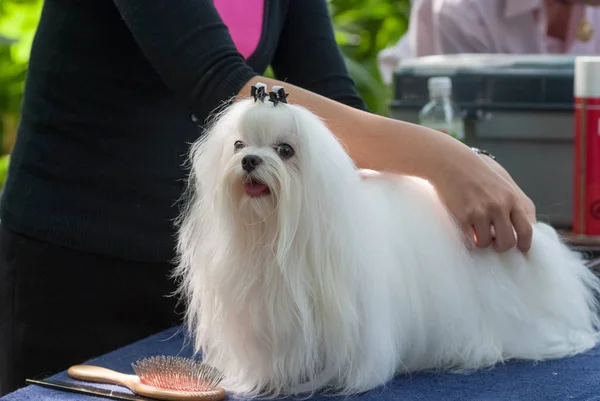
576, 378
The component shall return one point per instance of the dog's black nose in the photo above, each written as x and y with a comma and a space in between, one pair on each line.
250, 162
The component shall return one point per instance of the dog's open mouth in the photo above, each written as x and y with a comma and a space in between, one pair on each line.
256, 188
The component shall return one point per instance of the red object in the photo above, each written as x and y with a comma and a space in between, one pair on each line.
586, 218
586, 195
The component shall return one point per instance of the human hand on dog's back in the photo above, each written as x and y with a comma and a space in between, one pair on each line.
476, 189
502, 238
526, 201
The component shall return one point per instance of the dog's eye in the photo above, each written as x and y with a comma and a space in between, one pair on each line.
238, 145
285, 151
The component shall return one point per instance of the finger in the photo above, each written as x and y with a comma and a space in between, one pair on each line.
530, 209
523, 228
482, 232
527, 204
469, 237
504, 234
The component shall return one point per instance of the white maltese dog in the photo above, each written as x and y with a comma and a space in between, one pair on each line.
301, 275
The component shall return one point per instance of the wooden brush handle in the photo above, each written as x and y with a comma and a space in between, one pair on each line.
98, 374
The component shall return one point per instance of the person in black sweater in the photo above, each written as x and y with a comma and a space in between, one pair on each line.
116, 92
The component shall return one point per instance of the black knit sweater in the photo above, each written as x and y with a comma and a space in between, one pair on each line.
107, 114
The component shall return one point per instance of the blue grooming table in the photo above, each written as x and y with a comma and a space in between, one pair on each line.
576, 378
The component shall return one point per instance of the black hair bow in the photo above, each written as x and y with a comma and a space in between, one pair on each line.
259, 92
278, 95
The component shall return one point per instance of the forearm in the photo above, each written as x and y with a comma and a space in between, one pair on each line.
373, 141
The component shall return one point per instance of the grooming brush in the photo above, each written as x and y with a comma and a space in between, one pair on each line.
161, 377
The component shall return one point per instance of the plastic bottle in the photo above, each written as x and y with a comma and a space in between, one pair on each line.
586, 197
441, 113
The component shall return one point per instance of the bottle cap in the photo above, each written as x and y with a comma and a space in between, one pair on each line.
439, 86
587, 76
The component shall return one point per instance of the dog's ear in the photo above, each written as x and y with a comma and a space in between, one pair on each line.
259, 91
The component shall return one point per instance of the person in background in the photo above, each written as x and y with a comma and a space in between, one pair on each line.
116, 92
496, 26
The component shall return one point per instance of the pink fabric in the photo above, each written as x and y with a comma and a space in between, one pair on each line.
244, 18
485, 26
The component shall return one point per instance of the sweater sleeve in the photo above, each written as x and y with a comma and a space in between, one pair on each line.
308, 56
189, 46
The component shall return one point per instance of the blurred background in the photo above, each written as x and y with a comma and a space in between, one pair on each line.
363, 28
18, 21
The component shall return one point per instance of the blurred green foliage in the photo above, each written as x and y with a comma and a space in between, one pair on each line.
363, 28
18, 21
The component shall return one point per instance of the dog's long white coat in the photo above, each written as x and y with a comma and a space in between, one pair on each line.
343, 281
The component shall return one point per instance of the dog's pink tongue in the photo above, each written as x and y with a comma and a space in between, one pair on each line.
255, 188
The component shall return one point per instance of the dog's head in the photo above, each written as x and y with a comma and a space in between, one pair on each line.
264, 160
